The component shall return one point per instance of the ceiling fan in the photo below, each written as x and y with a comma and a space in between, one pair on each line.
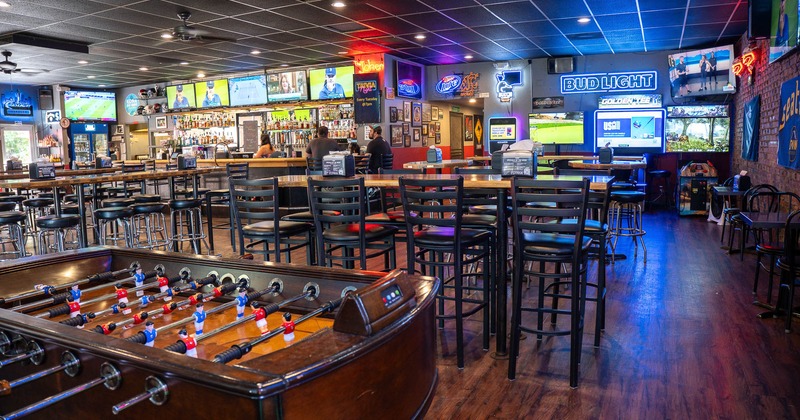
185, 32
8, 67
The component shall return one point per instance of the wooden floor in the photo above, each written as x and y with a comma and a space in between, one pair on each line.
682, 340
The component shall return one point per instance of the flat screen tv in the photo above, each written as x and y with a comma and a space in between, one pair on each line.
630, 132
556, 127
181, 96
90, 106
331, 83
408, 80
702, 128
288, 86
784, 33
248, 90
212, 93
702, 72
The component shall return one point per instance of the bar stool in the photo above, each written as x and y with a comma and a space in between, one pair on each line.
627, 207
187, 224
114, 214
35, 208
88, 202
11, 223
16, 199
148, 220
57, 228
659, 178
222, 197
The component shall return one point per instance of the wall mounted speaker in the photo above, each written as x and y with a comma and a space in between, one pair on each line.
560, 65
45, 99
760, 19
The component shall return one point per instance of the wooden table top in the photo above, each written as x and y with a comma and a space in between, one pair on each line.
448, 163
61, 172
63, 181
768, 220
550, 158
615, 164
470, 181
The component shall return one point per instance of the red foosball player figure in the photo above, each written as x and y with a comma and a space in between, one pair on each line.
288, 327
122, 297
191, 345
261, 319
150, 334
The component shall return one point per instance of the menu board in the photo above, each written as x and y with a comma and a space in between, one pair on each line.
367, 98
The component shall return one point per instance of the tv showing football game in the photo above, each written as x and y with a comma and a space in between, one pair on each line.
556, 127
630, 133
287, 86
783, 32
331, 83
181, 96
702, 72
90, 106
212, 93
699, 128
248, 90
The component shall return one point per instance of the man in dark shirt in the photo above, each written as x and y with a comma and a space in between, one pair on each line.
321, 145
377, 148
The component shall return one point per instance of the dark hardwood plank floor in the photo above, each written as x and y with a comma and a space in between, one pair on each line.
682, 340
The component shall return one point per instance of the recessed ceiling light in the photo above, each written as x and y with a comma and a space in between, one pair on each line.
90, 77
83, 62
284, 65
584, 20
143, 68
166, 36
201, 75
342, 52
472, 100
468, 57
338, 4
419, 36
184, 63
4, 4
255, 52
101, 85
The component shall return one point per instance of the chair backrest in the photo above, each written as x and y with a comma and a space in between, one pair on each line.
773, 202
362, 163
133, 167
478, 196
387, 161
238, 170
337, 201
149, 164
390, 196
599, 200
314, 164
571, 200
253, 201
728, 182
430, 202
791, 242
754, 190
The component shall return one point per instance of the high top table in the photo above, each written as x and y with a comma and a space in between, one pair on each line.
438, 166
502, 185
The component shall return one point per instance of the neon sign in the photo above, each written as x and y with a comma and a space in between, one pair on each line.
407, 88
448, 84
744, 62
461, 85
609, 82
372, 63
506, 80
652, 100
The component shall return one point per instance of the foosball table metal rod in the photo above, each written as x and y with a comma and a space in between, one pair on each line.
155, 390
82, 319
34, 352
69, 364
110, 376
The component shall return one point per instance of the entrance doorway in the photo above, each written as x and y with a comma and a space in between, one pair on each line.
18, 142
456, 135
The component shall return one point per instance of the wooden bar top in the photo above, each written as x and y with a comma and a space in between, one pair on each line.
60, 172
63, 181
448, 163
615, 164
254, 163
470, 181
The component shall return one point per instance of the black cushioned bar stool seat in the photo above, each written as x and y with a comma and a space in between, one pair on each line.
627, 196
113, 212
185, 204
55, 222
7, 205
12, 221
143, 208
73, 198
37, 203
146, 198
16, 199
7, 217
117, 202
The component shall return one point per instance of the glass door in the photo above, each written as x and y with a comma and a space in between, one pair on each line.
82, 148
101, 144
17, 142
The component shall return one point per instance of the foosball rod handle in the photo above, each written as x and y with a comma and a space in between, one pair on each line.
155, 390
69, 363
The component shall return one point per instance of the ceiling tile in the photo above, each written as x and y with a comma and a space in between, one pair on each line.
461, 35
618, 22
710, 30
572, 26
433, 21
497, 32
645, 5
705, 15
556, 9
472, 16
671, 32
544, 28
518, 11
663, 18
311, 15
611, 7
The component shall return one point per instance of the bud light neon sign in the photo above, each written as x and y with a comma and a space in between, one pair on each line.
408, 88
609, 82
448, 84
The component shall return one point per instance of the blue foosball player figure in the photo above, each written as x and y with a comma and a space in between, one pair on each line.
199, 318
150, 334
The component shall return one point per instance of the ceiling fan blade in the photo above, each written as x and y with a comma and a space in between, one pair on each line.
33, 71
213, 39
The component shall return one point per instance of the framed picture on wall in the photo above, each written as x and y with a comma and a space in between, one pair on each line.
407, 140
468, 127
438, 126
392, 114
406, 128
396, 135
424, 130
407, 111
426, 112
431, 129
416, 114
434, 113
416, 136
438, 138
424, 141
161, 122
119, 129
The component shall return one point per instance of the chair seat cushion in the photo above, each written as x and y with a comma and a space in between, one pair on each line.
769, 249
784, 264
73, 198
7, 217
109, 213
590, 227
218, 193
307, 217
542, 204
72, 209
267, 228
190, 191
147, 208
7, 205
552, 244
146, 198
15, 198
38, 202
628, 196
350, 232
480, 220
117, 202
445, 237
54, 222
184, 204
391, 216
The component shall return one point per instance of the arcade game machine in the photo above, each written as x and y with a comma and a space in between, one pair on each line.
694, 188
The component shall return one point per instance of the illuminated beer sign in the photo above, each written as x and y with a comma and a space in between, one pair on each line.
407, 88
448, 84
609, 82
462, 85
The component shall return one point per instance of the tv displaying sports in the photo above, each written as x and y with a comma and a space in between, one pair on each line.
181, 96
212, 93
287, 86
90, 106
248, 90
784, 33
702, 72
701, 128
408, 80
630, 132
331, 83
556, 127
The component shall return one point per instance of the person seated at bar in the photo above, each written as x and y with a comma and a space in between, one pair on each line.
321, 145
266, 150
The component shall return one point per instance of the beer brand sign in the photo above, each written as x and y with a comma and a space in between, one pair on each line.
631, 81
459, 84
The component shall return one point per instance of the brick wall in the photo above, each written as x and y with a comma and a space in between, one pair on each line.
768, 80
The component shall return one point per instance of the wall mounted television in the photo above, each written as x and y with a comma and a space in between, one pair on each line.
556, 127
702, 72
288, 86
408, 80
212, 93
331, 83
701, 128
248, 90
180, 96
80, 105
630, 132
783, 29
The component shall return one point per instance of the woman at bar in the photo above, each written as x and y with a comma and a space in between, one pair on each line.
266, 150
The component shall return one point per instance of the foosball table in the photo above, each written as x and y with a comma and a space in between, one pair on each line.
136, 333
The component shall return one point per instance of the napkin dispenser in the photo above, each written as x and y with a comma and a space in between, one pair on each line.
13, 165
605, 154
103, 162
434, 155
338, 164
741, 182
42, 170
187, 162
518, 163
